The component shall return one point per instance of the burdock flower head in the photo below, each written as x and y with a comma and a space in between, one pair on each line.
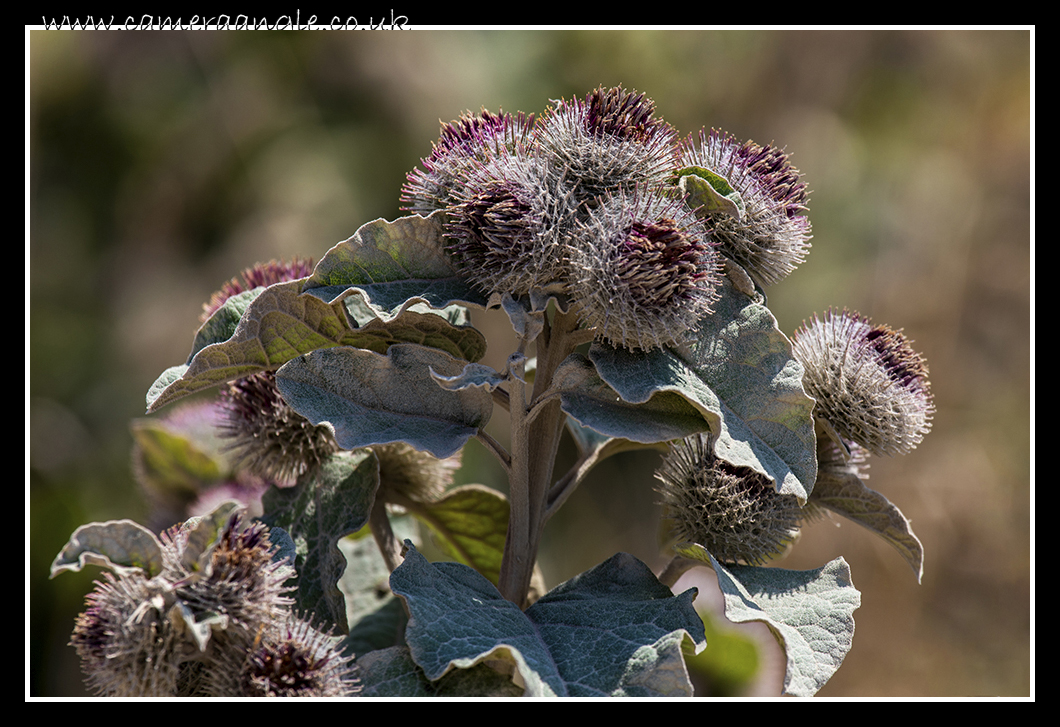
174, 602
268, 437
733, 512
502, 226
870, 385
642, 270
770, 234
464, 145
290, 658
610, 140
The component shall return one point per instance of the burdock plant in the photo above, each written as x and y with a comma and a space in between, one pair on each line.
631, 266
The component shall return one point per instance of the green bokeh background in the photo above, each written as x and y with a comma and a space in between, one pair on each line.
162, 163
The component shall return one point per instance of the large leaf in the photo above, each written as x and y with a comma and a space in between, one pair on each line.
278, 324
846, 494
120, 545
371, 399
325, 506
587, 398
392, 673
739, 373
614, 630
393, 265
811, 613
470, 524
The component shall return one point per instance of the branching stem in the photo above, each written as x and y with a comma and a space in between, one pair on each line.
533, 453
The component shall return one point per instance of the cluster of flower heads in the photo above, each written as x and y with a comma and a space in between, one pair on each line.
583, 199
872, 397
271, 440
223, 627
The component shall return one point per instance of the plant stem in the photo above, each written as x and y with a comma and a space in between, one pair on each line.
533, 455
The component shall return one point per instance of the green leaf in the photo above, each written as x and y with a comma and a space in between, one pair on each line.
121, 545
277, 326
741, 376
587, 398
173, 457
809, 612
223, 322
470, 524
846, 494
373, 399
279, 323
709, 193
614, 630
325, 506
394, 265
730, 665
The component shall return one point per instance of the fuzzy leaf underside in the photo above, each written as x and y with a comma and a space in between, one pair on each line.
325, 506
847, 495
370, 398
740, 374
614, 630
393, 265
588, 399
810, 613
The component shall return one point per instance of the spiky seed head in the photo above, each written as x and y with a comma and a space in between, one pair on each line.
643, 270
502, 227
733, 512
290, 658
609, 140
270, 438
406, 473
243, 582
132, 639
462, 147
869, 384
126, 646
259, 275
772, 237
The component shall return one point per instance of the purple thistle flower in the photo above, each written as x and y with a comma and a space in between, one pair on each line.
771, 237
463, 146
133, 638
501, 229
611, 140
268, 437
642, 271
869, 384
286, 659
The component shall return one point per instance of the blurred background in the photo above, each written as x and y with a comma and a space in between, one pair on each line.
163, 163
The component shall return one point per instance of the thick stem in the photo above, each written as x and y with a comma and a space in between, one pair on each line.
533, 455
